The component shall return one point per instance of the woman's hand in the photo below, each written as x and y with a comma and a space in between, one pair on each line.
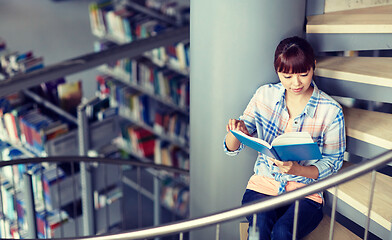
288, 167
232, 142
238, 125
293, 168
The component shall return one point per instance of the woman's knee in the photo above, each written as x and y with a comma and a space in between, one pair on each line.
282, 232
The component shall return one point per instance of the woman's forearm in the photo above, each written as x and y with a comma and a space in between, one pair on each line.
232, 143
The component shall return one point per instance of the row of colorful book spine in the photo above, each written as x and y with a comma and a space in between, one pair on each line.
175, 195
171, 8
161, 83
122, 23
147, 145
13, 216
152, 91
27, 125
141, 108
174, 57
13, 63
25, 122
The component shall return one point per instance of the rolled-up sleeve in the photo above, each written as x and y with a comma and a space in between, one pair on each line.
231, 153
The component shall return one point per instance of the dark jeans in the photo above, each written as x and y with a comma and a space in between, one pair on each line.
277, 224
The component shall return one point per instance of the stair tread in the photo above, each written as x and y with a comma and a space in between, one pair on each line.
322, 231
339, 5
356, 193
369, 126
364, 20
368, 70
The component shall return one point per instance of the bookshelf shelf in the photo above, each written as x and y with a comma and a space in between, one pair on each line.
173, 58
17, 145
152, 13
50, 106
125, 78
181, 143
148, 194
100, 132
148, 55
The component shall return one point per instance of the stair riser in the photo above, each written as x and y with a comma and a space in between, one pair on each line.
342, 88
315, 7
331, 42
363, 149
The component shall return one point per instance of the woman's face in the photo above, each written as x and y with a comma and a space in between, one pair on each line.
297, 83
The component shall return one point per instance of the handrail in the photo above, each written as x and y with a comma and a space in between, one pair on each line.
84, 62
344, 175
79, 159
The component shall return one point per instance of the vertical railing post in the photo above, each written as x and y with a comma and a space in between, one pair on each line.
1, 205
157, 205
30, 206
59, 200
106, 205
333, 214
85, 174
295, 223
253, 231
390, 233
217, 231
371, 194
76, 221
139, 198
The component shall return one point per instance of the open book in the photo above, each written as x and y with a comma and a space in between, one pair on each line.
291, 146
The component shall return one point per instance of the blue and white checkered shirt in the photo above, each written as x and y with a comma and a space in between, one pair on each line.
266, 117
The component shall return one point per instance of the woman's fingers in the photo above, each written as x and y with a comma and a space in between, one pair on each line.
235, 124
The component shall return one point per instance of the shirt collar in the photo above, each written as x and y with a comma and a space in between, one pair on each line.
310, 108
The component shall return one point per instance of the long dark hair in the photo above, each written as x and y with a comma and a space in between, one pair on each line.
294, 55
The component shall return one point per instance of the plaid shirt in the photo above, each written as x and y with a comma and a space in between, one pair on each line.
266, 117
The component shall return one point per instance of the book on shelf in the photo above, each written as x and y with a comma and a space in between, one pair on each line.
142, 140
168, 154
11, 120
291, 146
96, 105
48, 90
49, 221
27, 125
70, 95
122, 24
170, 86
175, 196
53, 130
3, 44
171, 8
15, 62
97, 14
31, 125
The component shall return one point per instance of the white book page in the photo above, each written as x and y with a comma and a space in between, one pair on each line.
292, 138
254, 139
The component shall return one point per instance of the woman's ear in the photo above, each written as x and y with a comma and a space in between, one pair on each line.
315, 63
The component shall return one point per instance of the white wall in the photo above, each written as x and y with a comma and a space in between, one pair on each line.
232, 47
56, 30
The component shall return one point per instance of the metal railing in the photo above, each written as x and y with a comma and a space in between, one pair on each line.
91, 60
22, 184
216, 219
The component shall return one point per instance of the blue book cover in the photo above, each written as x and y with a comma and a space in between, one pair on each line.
292, 146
